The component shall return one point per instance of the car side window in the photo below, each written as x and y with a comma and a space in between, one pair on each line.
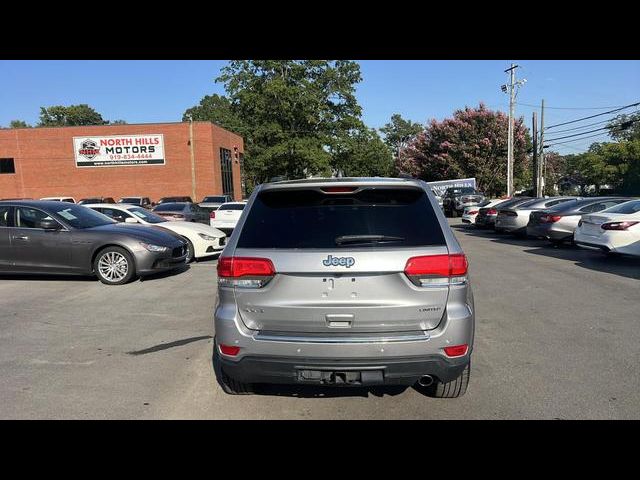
589, 208
30, 217
4, 215
117, 215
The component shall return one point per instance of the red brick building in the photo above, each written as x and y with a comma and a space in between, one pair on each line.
150, 160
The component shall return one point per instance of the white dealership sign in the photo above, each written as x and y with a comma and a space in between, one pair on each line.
119, 150
440, 187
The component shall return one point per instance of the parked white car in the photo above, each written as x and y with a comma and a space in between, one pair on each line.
227, 215
60, 199
202, 240
470, 213
616, 229
516, 218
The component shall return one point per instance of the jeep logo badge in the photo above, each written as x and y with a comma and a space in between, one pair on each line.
338, 261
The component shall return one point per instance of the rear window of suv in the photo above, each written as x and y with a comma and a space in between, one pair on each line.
291, 219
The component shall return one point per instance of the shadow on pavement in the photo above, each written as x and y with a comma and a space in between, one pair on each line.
312, 391
624, 266
168, 273
165, 346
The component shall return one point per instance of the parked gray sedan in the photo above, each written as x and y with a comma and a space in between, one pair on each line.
54, 237
514, 219
558, 223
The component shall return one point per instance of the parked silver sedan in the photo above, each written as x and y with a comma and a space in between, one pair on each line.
557, 224
514, 219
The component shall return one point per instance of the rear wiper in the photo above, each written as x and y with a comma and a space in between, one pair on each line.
351, 239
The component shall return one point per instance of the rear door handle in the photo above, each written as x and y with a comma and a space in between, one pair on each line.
20, 237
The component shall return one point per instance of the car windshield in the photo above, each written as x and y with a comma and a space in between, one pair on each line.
170, 207
132, 200
380, 218
625, 208
218, 199
82, 217
146, 215
231, 206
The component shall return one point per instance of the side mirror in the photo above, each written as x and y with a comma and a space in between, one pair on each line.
49, 224
130, 220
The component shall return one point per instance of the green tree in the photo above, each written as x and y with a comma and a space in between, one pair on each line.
217, 109
19, 124
73, 115
625, 127
293, 113
363, 154
399, 132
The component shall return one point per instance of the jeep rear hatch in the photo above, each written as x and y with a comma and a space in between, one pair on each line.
363, 258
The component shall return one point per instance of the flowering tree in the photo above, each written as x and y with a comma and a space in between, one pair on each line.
473, 143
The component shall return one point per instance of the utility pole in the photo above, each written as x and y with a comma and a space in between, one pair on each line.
536, 179
541, 170
193, 161
511, 90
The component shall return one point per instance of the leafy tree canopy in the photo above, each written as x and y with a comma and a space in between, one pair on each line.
398, 132
472, 143
73, 115
19, 124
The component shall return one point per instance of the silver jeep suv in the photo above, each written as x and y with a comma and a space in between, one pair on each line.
348, 281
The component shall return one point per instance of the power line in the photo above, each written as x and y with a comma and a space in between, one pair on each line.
570, 108
573, 141
613, 128
585, 126
593, 116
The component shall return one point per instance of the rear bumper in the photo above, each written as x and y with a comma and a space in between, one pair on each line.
548, 232
319, 371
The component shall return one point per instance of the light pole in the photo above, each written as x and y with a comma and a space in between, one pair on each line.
512, 90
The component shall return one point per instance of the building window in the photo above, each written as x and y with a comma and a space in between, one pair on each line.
226, 167
243, 180
7, 165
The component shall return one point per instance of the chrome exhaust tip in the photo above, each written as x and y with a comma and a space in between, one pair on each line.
426, 380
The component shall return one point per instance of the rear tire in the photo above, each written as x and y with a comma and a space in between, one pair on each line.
114, 266
228, 384
453, 389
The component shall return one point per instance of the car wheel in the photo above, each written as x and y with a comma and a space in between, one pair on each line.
556, 243
453, 389
191, 252
114, 266
454, 213
228, 384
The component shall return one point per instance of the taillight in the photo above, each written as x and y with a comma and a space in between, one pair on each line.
472, 212
492, 211
508, 213
212, 215
230, 350
437, 270
245, 272
550, 218
178, 215
617, 225
456, 350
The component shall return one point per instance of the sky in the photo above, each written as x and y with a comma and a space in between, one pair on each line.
420, 90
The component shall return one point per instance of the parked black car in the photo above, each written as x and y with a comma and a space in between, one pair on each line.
55, 237
144, 202
174, 200
182, 211
96, 200
455, 200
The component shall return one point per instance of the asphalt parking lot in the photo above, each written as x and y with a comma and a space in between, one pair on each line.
556, 338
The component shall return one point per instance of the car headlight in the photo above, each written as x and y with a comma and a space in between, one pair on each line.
204, 236
153, 248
